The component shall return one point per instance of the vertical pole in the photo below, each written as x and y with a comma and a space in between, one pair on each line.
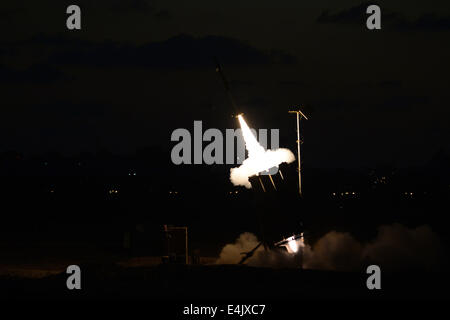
301, 251
299, 114
187, 254
298, 151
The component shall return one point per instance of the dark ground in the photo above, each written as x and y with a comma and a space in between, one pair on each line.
81, 223
225, 283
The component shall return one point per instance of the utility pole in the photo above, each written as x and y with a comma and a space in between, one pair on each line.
299, 116
168, 229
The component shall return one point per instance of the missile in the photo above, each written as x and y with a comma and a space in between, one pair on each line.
219, 70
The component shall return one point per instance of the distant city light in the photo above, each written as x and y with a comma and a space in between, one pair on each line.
344, 193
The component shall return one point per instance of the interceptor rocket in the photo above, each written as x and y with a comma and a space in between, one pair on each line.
219, 70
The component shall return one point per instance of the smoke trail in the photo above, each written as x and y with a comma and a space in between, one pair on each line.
395, 247
258, 160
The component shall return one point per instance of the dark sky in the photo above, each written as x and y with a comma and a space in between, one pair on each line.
140, 69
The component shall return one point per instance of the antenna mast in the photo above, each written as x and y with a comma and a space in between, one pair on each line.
299, 116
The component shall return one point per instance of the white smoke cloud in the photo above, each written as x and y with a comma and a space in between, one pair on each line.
395, 247
232, 254
398, 245
334, 251
258, 160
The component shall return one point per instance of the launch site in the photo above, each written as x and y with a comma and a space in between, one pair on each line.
241, 159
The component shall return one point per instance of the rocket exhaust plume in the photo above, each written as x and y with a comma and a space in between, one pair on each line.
259, 159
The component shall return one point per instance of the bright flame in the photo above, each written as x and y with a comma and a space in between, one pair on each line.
258, 160
293, 246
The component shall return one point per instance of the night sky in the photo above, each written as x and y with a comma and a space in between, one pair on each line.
140, 69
